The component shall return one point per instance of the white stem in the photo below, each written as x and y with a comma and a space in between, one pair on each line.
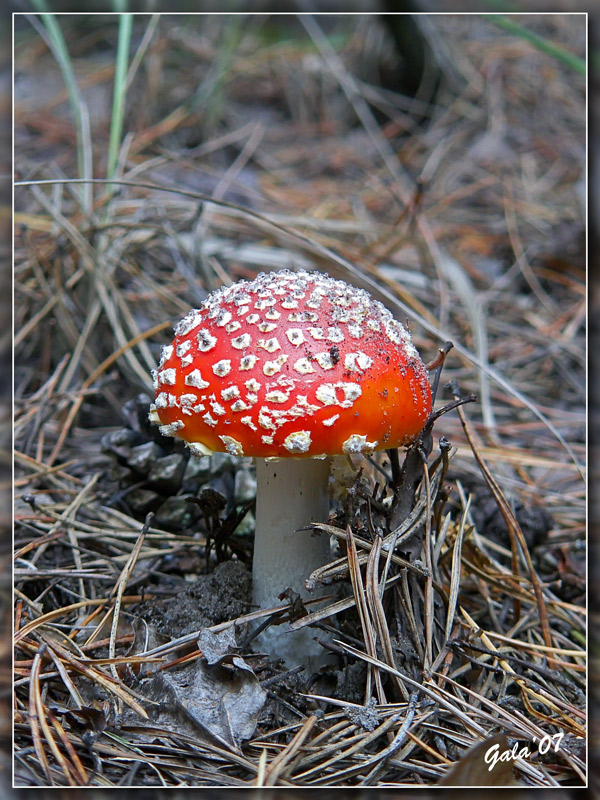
291, 493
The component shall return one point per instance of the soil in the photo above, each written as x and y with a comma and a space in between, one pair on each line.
224, 594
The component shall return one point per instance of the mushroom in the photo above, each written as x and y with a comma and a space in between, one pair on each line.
292, 368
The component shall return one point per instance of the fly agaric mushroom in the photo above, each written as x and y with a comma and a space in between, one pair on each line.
292, 367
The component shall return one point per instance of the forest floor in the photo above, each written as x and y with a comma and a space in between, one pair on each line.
256, 143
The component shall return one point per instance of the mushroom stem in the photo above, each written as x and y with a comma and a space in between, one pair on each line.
291, 493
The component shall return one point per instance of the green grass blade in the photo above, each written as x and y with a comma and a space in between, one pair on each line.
58, 47
571, 60
120, 90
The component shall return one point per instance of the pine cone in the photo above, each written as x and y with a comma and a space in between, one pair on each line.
155, 473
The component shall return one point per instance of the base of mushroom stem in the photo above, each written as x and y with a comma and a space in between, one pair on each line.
295, 647
291, 493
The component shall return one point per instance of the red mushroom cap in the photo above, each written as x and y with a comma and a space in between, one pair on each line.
291, 364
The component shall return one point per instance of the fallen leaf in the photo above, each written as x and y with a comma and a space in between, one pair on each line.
472, 769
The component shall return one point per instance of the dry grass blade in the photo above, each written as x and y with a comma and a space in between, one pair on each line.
74, 692
378, 762
516, 535
42, 714
455, 575
363, 612
79, 775
279, 764
377, 612
119, 591
112, 685
26, 629
427, 551
353, 746
549, 702
34, 715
